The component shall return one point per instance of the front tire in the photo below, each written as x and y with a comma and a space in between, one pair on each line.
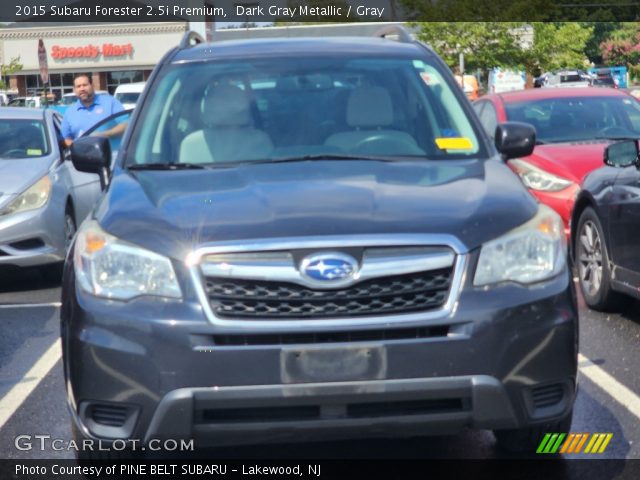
592, 263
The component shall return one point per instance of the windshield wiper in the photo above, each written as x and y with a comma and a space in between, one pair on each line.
166, 166
337, 156
619, 137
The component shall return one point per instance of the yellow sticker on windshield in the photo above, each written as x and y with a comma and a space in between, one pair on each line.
34, 151
454, 143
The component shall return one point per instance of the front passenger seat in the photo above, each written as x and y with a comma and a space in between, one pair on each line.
229, 134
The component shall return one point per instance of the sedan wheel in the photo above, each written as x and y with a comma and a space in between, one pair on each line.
592, 261
590, 258
69, 229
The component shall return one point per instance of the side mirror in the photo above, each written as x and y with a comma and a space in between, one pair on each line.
622, 154
515, 139
92, 155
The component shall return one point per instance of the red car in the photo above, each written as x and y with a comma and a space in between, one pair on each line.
573, 127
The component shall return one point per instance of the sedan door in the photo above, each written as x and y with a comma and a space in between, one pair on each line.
624, 225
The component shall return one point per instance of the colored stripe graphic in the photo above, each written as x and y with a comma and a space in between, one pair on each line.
543, 443
550, 443
573, 442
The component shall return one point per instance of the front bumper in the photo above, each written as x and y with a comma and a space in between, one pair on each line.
33, 238
506, 357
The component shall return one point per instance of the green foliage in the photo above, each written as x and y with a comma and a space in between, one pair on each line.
500, 44
601, 32
7, 69
13, 66
484, 44
557, 46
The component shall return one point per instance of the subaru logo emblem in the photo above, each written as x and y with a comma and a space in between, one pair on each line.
329, 268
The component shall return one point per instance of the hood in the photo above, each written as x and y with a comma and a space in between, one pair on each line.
172, 212
16, 175
572, 161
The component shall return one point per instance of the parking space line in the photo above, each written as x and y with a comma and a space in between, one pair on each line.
19, 393
612, 387
31, 305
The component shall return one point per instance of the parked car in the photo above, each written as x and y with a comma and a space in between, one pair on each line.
567, 79
128, 93
603, 82
573, 127
30, 102
43, 197
315, 239
605, 229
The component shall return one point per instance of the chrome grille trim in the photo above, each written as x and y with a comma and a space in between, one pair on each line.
365, 241
280, 266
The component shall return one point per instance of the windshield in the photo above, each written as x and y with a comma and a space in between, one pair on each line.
603, 81
570, 78
22, 139
282, 108
127, 97
579, 118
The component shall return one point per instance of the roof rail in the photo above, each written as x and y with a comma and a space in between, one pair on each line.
395, 31
190, 39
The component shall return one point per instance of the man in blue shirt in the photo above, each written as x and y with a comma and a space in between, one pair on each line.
88, 110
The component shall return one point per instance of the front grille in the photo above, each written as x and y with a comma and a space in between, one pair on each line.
278, 300
547, 396
110, 415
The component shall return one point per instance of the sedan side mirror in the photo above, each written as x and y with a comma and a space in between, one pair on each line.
515, 139
92, 155
622, 154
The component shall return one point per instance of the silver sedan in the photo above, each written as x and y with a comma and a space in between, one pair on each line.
42, 197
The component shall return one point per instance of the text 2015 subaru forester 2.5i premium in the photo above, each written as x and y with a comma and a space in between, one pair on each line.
314, 239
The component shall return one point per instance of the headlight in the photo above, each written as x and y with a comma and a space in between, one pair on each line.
106, 266
530, 253
33, 197
537, 179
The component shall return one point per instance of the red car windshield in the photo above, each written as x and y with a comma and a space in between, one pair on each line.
570, 119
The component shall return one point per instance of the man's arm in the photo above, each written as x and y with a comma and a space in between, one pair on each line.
67, 134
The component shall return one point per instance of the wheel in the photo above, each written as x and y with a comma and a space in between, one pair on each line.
69, 228
615, 132
526, 440
592, 261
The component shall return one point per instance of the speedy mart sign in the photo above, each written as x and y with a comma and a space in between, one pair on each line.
92, 51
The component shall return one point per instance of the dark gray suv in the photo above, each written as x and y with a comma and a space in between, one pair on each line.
313, 238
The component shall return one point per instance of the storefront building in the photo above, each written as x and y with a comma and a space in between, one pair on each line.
111, 53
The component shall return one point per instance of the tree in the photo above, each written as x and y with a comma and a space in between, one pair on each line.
557, 46
601, 33
484, 44
13, 66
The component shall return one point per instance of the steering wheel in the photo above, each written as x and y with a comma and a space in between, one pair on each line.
383, 145
13, 152
615, 132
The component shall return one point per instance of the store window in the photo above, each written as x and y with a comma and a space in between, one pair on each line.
127, 76
59, 84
